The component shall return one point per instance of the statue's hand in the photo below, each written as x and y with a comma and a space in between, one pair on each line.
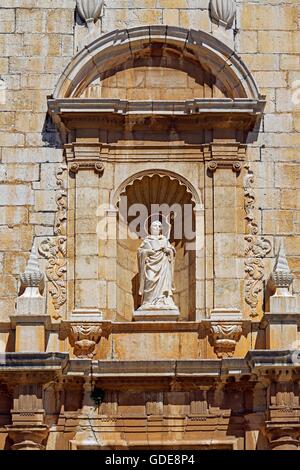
168, 251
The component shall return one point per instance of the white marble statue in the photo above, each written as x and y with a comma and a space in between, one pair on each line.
156, 258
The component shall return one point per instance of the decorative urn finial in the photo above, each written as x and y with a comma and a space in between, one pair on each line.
89, 11
32, 277
223, 12
281, 277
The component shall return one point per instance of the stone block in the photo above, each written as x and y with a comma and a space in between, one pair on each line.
7, 20
29, 20
287, 176
86, 267
13, 215
290, 199
11, 139
88, 294
247, 42
194, 19
268, 17
269, 79
60, 20
278, 123
171, 17
45, 201
46, 45
16, 195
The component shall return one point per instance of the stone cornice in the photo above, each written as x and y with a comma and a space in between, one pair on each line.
255, 364
171, 108
240, 113
18, 362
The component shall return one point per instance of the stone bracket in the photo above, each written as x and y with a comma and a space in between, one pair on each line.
84, 335
224, 329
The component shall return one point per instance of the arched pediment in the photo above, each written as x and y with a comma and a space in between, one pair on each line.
214, 63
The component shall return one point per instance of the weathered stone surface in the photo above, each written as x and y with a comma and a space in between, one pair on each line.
158, 372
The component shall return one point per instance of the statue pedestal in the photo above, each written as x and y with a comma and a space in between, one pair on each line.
152, 314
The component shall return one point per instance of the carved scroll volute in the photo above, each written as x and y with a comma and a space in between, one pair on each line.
55, 249
257, 248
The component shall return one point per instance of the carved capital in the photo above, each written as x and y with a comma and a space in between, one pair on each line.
29, 437
283, 436
236, 166
98, 167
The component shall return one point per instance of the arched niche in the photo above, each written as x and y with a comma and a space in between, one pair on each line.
202, 134
142, 196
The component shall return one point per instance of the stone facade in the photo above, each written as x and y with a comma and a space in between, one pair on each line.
187, 102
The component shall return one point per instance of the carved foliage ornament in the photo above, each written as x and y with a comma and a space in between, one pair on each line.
223, 11
32, 276
54, 249
84, 336
89, 11
257, 248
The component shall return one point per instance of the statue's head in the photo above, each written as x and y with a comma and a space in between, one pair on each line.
156, 228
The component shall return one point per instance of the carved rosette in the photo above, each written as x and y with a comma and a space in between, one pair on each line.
55, 249
223, 12
225, 337
257, 248
84, 337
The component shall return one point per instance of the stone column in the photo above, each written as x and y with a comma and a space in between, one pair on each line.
85, 199
200, 262
282, 427
28, 430
283, 438
227, 225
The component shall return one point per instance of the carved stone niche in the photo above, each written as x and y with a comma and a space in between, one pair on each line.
225, 329
84, 333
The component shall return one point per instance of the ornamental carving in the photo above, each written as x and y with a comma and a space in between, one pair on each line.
281, 278
89, 11
225, 337
32, 276
84, 336
257, 248
98, 167
55, 249
223, 11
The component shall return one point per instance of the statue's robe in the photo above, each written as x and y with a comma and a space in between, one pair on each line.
156, 272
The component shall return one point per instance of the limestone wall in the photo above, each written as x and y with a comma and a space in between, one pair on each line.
38, 39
